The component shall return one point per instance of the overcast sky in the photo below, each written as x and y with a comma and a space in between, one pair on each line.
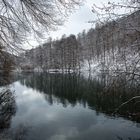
76, 23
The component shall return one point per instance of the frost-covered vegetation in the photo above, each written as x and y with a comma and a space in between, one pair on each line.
113, 46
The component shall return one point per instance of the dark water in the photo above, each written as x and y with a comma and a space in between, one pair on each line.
72, 107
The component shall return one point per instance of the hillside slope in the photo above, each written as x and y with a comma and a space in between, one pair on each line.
114, 46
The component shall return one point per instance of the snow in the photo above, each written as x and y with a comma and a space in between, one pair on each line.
130, 62
38, 69
60, 71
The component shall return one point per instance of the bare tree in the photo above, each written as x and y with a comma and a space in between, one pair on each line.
113, 10
20, 18
125, 16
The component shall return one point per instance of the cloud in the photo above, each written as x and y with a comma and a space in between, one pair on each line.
76, 23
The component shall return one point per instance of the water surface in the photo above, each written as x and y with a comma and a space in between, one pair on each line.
70, 107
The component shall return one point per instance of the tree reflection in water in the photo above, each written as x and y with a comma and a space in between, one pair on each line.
129, 138
103, 93
7, 108
7, 105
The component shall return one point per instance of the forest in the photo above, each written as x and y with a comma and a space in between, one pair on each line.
112, 47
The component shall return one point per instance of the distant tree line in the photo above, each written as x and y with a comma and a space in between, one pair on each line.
113, 45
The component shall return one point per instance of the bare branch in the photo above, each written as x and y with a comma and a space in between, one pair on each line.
20, 18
